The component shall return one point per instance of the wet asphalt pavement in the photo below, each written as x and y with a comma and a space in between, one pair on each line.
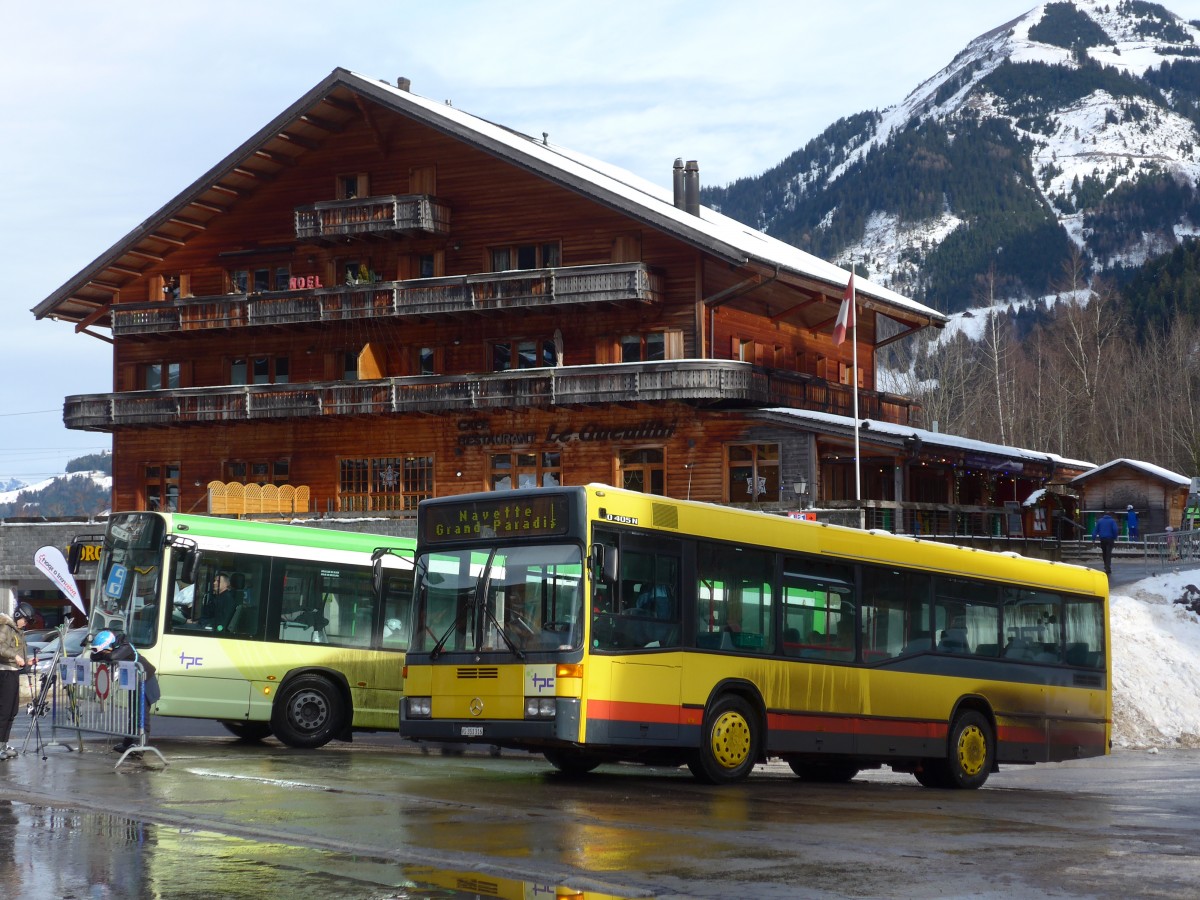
381, 820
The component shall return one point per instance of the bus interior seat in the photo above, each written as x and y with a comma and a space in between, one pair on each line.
1079, 654
237, 586
244, 619
987, 649
954, 640
708, 640
1018, 648
919, 644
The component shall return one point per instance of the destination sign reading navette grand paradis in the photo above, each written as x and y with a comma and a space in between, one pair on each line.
529, 517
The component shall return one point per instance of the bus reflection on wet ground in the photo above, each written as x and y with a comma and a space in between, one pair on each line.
50, 852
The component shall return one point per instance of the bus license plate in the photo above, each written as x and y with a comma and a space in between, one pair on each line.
471, 731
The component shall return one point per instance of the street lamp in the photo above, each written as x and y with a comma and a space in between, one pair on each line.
801, 489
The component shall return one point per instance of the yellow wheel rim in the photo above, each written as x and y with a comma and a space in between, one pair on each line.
972, 750
731, 740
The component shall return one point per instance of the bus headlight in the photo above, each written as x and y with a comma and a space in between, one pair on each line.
539, 707
419, 707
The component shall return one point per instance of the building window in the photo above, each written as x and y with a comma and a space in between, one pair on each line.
751, 473
356, 271
429, 360
528, 353
642, 470
384, 483
643, 347
351, 186
258, 471
259, 280
648, 346
162, 487
259, 370
161, 376
526, 469
525, 256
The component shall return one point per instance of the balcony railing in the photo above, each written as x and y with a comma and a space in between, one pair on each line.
385, 215
617, 282
691, 381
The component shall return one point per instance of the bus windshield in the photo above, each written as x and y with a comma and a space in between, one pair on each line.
128, 574
507, 600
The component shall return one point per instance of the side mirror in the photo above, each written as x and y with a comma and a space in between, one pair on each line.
377, 576
604, 562
190, 570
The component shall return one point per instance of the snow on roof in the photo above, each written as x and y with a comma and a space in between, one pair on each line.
632, 194
1148, 468
871, 427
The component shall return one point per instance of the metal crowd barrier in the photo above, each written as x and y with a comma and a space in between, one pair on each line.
101, 698
1172, 548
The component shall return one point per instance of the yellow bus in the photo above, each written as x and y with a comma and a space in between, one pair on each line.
267, 628
594, 624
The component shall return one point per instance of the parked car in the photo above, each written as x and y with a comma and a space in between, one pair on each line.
75, 640
37, 638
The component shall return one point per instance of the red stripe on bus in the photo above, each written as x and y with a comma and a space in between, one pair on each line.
627, 711
856, 725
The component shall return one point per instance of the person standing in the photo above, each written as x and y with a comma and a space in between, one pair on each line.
12, 661
1106, 531
1131, 522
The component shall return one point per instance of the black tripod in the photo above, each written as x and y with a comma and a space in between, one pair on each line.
39, 699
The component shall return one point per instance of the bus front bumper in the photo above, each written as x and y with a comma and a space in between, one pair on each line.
501, 732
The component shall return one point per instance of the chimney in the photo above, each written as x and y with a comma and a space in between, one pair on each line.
677, 181
691, 187
403, 83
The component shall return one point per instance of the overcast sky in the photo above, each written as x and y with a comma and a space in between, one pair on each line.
113, 108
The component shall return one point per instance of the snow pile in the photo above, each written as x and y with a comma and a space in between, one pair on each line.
1156, 664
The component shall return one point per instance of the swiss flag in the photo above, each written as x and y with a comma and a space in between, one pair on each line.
845, 319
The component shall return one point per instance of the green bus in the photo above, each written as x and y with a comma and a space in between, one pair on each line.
270, 629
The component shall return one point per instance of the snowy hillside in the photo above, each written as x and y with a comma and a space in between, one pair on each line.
1081, 115
102, 480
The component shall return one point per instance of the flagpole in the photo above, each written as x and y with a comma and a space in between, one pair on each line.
854, 379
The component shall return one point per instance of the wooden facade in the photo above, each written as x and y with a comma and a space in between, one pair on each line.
379, 298
1158, 496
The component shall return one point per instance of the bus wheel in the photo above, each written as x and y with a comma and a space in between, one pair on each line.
247, 731
571, 762
824, 772
307, 713
972, 751
729, 743
969, 759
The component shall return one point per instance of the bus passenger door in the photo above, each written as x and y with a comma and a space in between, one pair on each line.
198, 680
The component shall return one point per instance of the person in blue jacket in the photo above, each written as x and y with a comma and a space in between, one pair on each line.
1131, 522
1106, 531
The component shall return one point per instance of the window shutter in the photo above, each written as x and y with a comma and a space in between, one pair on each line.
673, 344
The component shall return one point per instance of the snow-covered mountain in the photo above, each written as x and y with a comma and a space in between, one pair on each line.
75, 493
1073, 126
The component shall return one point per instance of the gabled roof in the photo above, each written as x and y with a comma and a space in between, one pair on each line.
340, 98
1144, 467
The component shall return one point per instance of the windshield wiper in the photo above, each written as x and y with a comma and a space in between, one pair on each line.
436, 651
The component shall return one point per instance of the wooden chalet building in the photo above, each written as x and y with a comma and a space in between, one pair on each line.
379, 298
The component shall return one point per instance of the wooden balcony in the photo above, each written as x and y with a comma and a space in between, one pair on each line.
490, 291
385, 216
724, 383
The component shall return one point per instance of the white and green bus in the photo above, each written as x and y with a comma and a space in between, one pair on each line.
267, 628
